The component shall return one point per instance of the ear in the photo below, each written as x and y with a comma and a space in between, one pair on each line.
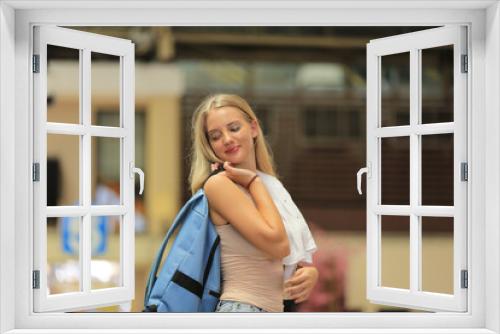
254, 126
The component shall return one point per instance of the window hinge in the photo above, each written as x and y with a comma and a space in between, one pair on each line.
465, 279
464, 171
36, 279
465, 67
36, 172
36, 63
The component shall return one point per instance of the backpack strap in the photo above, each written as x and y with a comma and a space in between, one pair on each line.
212, 173
210, 259
177, 223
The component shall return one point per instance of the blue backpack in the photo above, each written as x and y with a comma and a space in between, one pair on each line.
190, 279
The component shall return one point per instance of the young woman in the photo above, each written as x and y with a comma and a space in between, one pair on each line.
254, 240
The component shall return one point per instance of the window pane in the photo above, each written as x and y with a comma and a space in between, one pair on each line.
105, 265
395, 252
63, 267
395, 158
437, 169
63, 170
437, 84
437, 254
106, 171
63, 84
395, 91
111, 117
105, 78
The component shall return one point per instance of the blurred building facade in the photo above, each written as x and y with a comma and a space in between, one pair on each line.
307, 85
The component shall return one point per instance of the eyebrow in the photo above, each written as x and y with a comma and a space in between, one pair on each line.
228, 124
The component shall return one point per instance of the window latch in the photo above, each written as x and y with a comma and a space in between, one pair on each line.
133, 171
362, 171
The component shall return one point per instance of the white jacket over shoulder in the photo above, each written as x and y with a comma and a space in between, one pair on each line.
302, 245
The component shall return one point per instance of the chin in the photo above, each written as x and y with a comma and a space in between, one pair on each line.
235, 160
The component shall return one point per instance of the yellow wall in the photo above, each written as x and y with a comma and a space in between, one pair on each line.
163, 161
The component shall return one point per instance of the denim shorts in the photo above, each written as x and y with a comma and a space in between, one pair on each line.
234, 306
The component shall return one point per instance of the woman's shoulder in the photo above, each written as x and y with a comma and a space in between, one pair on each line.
215, 182
220, 185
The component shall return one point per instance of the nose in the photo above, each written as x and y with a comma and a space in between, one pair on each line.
226, 137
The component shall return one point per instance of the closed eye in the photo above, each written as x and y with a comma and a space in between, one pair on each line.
233, 127
214, 137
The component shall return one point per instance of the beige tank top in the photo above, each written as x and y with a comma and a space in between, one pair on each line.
248, 274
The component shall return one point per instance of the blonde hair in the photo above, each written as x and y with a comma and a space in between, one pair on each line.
202, 154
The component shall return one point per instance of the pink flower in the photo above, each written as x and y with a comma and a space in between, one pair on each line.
328, 295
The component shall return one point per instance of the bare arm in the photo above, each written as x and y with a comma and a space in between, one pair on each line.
259, 223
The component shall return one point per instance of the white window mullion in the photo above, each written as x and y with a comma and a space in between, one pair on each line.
460, 155
127, 121
82, 172
65, 129
39, 156
393, 131
433, 128
377, 270
80, 211
393, 210
108, 210
406, 210
373, 176
434, 211
415, 176
85, 253
86, 227
78, 129
419, 129
106, 131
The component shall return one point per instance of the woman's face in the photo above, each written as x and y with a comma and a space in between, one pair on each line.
230, 135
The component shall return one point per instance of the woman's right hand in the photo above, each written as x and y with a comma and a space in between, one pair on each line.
241, 176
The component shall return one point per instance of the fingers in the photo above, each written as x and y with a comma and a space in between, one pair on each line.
227, 165
237, 174
296, 292
294, 281
303, 297
301, 284
217, 165
305, 274
297, 278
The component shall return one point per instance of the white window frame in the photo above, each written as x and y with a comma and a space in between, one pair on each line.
16, 19
85, 43
415, 44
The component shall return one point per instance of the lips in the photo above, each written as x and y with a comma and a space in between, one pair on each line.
232, 150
